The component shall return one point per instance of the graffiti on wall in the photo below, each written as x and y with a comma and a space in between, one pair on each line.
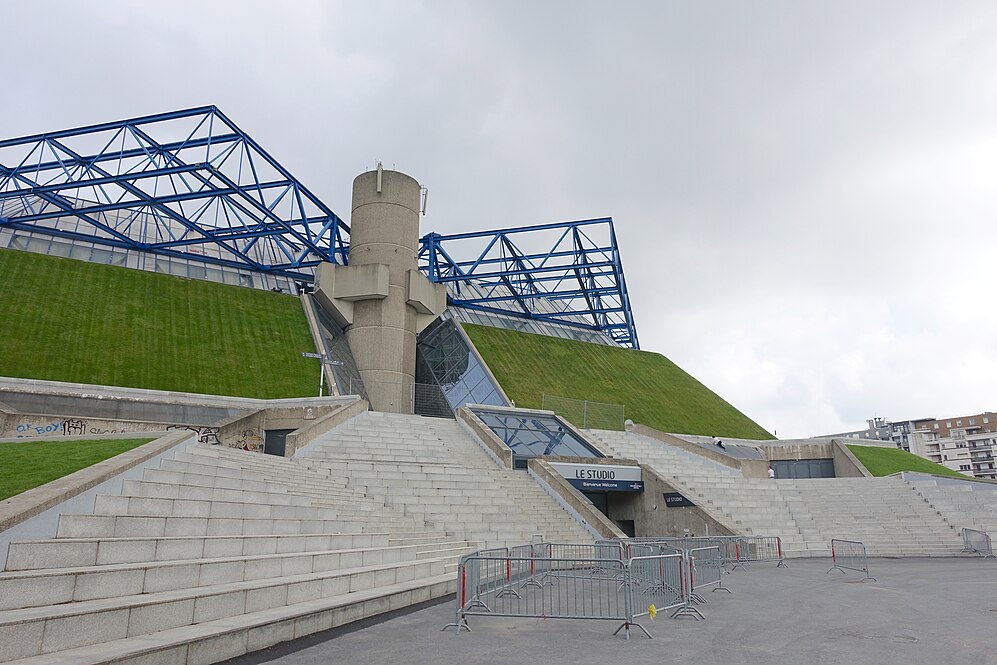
76, 427
250, 440
207, 435
66, 427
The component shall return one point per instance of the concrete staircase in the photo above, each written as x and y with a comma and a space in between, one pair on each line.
217, 553
882, 512
749, 506
962, 505
432, 470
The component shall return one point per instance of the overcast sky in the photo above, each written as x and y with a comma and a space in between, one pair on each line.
805, 194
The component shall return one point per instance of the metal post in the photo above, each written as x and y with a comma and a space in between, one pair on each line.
585, 413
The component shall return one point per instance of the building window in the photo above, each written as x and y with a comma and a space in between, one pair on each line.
986, 420
972, 421
936, 425
964, 467
948, 424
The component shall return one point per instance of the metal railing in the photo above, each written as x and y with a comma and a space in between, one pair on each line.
977, 541
584, 413
608, 580
735, 551
706, 569
850, 555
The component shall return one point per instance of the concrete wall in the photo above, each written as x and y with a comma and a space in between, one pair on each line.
304, 436
846, 464
652, 517
74, 410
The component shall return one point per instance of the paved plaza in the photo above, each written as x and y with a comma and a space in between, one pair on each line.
920, 611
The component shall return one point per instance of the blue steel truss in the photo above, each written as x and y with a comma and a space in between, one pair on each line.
576, 279
187, 184
190, 184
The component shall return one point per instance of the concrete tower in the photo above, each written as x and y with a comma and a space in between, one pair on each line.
381, 298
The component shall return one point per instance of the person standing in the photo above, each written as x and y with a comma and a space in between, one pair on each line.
771, 473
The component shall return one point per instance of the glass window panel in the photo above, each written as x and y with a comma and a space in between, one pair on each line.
530, 435
60, 249
100, 256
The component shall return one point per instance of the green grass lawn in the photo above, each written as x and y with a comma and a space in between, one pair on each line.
654, 391
67, 320
884, 461
28, 464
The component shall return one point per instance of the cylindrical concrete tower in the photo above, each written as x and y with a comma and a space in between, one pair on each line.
384, 230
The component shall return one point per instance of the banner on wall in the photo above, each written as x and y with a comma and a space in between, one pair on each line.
601, 477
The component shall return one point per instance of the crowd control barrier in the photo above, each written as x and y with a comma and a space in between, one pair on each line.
608, 580
735, 551
977, 541
850, 555
706, 570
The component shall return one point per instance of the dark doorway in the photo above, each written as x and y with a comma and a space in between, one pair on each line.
600, 500
627, 527
274, 441
804, 468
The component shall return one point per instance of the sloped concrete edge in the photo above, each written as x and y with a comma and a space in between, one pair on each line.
26, 505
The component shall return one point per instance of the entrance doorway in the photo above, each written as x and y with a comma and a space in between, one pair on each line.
275, 440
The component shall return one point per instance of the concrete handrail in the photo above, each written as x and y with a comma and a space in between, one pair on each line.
300, 438
749, 468
605, 527
485, 434
27, 504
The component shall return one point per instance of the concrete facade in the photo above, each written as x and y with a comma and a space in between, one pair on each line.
55, 409
381, 298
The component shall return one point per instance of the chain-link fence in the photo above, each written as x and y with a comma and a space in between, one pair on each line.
423, 399
585, 413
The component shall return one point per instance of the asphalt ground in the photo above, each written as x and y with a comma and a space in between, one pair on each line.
919, 611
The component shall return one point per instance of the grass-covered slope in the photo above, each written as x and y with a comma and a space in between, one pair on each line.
29, 464
884, 461
654, 390
67, 320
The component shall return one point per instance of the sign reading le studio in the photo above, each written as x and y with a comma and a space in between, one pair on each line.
592, 477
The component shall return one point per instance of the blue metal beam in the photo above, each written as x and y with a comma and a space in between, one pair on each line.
190, 179
571, 274
190, 184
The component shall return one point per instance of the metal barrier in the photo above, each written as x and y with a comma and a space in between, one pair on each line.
764, 548
735, 551
706, 569
850, 555
977, 541
658, 584
609, 580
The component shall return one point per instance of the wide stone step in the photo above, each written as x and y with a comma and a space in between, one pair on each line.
140, 505
34, 631
64, 585
78, 552
215, 641
81, 526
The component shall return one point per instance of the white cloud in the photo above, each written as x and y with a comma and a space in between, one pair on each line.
803, 193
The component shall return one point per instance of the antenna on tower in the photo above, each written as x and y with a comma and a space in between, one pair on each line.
425, 197
380, 173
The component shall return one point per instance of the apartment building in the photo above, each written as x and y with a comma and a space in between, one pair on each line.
966, 444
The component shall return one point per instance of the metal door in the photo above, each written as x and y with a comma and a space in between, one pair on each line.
274, 441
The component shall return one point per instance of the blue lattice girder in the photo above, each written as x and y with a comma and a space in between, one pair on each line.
188, 184
572, 274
